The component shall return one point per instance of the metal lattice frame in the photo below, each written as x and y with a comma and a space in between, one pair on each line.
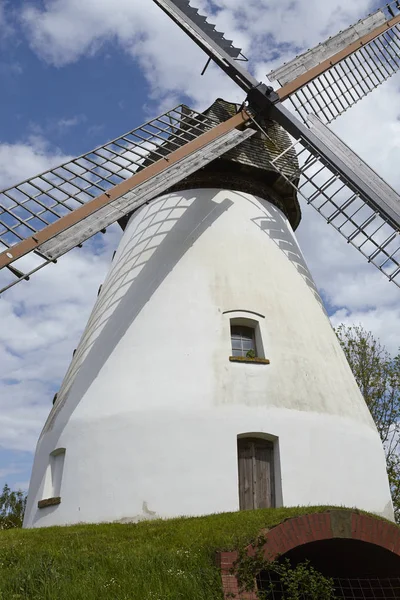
47, 215
345, 83
212, 42
344, 588
36, 203
367, 589
361, 225
331, 194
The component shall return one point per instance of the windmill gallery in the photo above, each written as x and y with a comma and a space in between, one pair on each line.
208, 373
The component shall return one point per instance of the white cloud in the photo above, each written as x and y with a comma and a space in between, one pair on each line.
65, 30
24, 159
43, 319
384, 322
46, 316
358, 290
68, 122
372, 128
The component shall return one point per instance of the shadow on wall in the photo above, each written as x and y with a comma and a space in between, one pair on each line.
274, 225
166, 232
43, 512
167, 228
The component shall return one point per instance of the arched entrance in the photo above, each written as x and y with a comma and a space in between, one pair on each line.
359, 569
361, 553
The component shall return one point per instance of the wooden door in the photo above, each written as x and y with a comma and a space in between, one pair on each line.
256, 473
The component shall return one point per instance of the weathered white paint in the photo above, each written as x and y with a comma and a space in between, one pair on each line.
150, 409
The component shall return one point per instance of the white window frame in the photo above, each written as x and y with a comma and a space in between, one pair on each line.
54, 474
247, 318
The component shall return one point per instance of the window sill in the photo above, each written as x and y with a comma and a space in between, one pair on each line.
247, 359
49, 502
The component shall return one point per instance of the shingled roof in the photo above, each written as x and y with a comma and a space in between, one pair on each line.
247, 167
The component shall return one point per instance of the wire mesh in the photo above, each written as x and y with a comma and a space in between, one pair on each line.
344, 588
334, 197
346, 83
35, 203
367, 589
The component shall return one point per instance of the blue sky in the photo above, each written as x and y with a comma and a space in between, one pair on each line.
71, 109
75, 74
75, 107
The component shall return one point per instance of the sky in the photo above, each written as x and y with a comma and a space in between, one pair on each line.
75, 74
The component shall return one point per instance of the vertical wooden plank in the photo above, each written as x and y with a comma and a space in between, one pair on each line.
242, 474
254, 475
272, 474
245, 474
264, 461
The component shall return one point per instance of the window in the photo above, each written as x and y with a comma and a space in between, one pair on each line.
256, 473
243, 341
54, 473
246, 339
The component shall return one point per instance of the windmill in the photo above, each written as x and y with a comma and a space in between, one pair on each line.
208, 346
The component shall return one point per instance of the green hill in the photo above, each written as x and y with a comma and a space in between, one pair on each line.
154, 560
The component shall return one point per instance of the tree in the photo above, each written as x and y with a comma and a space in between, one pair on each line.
12, 508
378, 377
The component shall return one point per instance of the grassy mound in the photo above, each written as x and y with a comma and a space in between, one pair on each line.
157, 560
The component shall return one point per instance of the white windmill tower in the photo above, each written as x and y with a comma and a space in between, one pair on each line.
208, 377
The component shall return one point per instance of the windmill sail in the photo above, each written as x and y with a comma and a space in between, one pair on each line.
199, 25
331, 177
336, 74
214, 43
370, 222
45, 216
312, 58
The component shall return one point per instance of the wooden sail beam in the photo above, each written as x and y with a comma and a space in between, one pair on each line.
293, 86
34, 242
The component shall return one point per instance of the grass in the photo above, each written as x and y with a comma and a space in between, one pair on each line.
156, 560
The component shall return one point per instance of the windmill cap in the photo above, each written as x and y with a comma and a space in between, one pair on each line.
247, 167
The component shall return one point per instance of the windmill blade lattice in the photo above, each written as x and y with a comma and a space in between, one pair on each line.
211, 41
344, 78
47, 215
44, 217
367, 226
192, 14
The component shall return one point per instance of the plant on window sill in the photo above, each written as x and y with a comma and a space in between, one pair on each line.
249, 359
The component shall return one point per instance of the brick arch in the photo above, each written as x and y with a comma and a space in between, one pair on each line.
297, 531
329, 525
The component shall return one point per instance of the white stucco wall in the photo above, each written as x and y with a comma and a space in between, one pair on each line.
150, 409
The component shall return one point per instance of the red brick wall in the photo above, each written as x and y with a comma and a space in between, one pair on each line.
311, 528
